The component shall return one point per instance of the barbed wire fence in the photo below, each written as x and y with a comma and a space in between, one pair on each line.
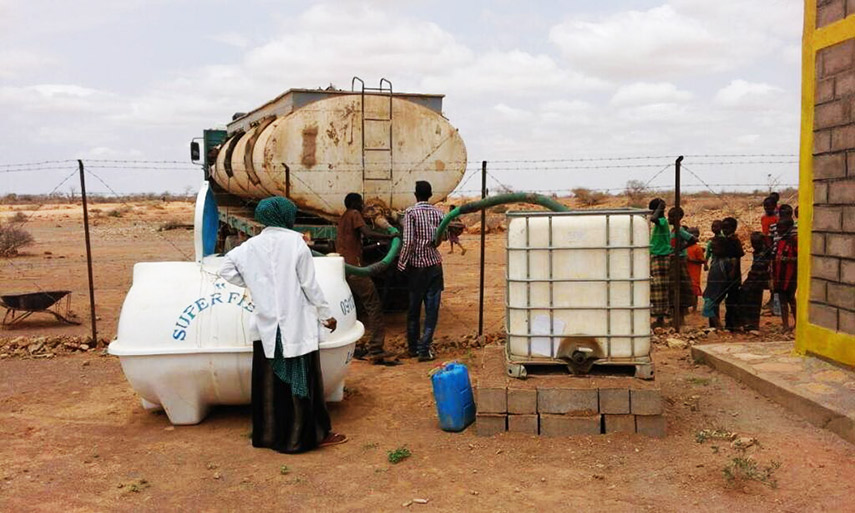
123, 217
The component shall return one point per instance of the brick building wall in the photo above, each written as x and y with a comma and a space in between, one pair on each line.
832, 285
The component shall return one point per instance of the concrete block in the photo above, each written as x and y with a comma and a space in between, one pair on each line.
825, 268
845, 82
522, 400
526, 424
568, 425
645, 401
827, 219
840, 244
828, 115
570, 401
823, 315
846, 322
849, 212
818, 290
829, 12
817, 244
847, 271
614, 400
650, 425
824, 91
821, 141
841, 296
842, 138
832, 165
619, 423
820, 192
492, 398
843, 191
837, 58
489, 424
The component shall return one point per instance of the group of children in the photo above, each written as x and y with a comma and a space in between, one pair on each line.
774, 267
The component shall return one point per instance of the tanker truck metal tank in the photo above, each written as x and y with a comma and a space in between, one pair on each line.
316, 146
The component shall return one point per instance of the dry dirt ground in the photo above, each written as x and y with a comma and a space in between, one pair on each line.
76, 439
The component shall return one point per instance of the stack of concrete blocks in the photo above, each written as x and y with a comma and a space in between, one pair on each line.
832, 284
562, 405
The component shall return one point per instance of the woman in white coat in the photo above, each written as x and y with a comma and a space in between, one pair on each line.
288, 410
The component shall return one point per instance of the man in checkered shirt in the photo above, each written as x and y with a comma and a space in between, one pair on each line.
423, 265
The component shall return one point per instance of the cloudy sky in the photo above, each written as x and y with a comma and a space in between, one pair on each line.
533, 80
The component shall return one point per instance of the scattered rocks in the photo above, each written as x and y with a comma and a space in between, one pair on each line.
676, 343
743, 442
46, 347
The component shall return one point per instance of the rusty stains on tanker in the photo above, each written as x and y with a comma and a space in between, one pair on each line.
310, 136
440, 165
332, 134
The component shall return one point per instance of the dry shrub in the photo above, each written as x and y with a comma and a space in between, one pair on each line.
12, 238
118, 212
587, 197
635, 191
174, 224
19, 217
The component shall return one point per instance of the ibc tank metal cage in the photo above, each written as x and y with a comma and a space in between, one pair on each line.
578, 290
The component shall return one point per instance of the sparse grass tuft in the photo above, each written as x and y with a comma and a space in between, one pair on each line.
399, 455
741, 469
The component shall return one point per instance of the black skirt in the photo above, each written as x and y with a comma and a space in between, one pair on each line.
281, 420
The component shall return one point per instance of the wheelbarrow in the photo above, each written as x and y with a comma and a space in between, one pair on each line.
20, 306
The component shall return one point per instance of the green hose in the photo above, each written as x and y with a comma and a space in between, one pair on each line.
376, 267
492, 201
466, 208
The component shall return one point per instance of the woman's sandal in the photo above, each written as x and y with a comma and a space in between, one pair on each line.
333, 439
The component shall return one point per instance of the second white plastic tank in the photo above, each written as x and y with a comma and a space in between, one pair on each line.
579, 279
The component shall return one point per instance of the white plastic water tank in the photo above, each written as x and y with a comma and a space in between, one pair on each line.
578, 282
185, 336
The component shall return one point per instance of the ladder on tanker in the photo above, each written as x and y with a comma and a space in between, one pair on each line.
377, 149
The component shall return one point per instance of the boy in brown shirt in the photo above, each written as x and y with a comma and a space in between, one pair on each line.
348, 243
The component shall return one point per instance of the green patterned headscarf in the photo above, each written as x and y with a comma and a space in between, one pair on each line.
276, 211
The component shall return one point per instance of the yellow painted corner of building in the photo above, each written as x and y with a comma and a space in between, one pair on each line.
810, 338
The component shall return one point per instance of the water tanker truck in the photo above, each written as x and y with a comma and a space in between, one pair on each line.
314, 146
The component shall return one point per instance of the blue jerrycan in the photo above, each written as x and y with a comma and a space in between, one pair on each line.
452, 391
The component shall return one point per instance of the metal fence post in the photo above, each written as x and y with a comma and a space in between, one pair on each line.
483, 243
88, 254
676, 263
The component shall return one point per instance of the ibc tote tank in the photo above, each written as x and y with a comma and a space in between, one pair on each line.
578, 290
316, 146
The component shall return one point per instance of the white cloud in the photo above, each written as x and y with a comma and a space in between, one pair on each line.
17, 63
743, 95
231, 39
575, 112
58, 98
676, 38
643, 93
515, 72
511, 113
632, 82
